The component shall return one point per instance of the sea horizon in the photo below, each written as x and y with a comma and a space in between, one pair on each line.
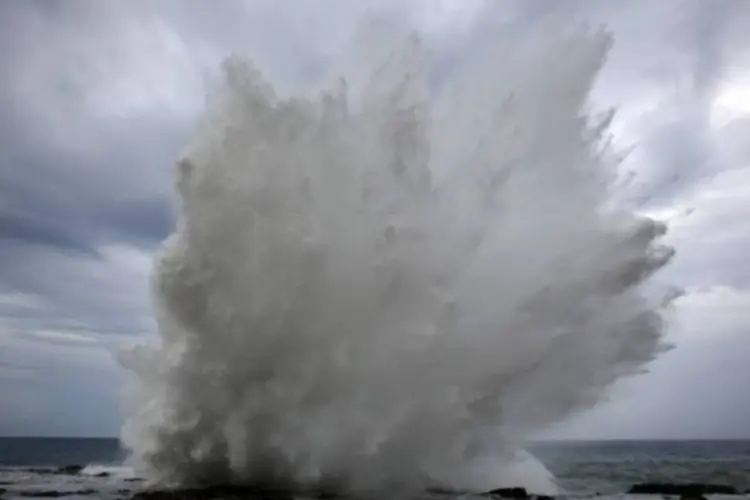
581, 468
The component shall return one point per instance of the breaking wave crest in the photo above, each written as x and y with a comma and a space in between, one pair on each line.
395, 279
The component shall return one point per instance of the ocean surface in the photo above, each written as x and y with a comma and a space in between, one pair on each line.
583, 469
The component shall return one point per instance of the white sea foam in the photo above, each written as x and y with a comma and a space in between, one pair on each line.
396, 280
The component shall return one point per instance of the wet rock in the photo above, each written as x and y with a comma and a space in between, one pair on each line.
509, 493
235, 492
70, 469
102, 474
213, 493
38, 470
688, 490
54, 493
446, 492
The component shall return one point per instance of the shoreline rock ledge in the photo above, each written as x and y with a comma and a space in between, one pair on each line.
240, 492
685, 490
517, 493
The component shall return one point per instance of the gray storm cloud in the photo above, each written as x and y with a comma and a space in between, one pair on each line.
98, 98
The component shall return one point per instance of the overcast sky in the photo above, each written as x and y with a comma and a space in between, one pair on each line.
97, 97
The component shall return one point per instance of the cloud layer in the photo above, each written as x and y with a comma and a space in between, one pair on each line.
98, 97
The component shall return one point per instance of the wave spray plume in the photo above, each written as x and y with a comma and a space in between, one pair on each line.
393, 281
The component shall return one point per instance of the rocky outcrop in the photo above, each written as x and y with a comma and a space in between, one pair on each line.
54, 493
687, 490
69, 469
221, 493
509, 493
244, 492
515, 493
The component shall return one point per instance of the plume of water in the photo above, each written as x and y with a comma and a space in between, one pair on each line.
393, 281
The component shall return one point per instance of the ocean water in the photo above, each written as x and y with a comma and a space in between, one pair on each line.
582, 469
611, 467
54, 452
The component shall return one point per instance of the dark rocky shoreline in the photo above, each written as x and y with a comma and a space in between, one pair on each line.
691, 491
686, 491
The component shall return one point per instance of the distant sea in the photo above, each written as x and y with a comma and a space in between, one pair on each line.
41, 452
583, 469
586, 468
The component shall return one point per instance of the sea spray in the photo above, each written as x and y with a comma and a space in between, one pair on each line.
393, 281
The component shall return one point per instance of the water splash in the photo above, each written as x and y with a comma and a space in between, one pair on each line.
392, 281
